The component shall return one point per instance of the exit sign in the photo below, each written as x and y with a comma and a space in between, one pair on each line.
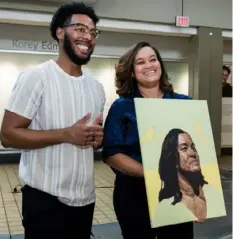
182, 21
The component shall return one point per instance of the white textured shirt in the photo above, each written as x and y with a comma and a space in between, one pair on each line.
52, 99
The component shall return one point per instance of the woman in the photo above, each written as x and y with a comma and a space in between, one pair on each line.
139, 73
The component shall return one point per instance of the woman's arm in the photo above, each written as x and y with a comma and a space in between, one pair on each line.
114, 144
126, 165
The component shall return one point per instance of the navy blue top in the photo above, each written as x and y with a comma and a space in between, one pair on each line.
120, 129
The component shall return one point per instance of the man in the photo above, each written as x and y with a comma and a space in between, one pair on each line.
226, 87
54, 116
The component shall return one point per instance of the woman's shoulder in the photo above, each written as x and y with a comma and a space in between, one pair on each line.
121, 105
175, 95
122, 102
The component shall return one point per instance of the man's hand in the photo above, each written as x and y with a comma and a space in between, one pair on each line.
81, 134
98, 136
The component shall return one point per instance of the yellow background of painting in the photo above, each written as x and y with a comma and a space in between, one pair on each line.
155, 119
210, 170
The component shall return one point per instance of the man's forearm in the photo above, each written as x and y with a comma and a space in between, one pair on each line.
32, 139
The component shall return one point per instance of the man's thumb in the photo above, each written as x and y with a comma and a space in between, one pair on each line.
98, 119
85, 119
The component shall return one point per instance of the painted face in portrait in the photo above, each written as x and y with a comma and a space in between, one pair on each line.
189, 159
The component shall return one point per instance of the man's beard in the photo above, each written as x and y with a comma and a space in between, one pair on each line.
72, 55
196, 179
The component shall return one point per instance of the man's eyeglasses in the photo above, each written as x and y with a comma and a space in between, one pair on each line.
83, 29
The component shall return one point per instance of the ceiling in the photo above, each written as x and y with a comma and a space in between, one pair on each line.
50, 1
37, 6
66, 1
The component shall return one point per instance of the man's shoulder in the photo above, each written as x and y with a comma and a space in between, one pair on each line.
35, 71
93, 81
91, 78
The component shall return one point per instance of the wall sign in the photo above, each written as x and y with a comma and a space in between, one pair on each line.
182, 21
25, 45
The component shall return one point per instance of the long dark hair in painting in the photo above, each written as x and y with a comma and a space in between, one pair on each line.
170, 165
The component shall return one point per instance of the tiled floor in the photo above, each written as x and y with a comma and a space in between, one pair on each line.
225, 163
10, 203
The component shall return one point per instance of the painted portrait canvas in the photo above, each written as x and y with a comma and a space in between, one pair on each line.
180, 164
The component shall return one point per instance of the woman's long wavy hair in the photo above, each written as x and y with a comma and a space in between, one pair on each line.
125, 82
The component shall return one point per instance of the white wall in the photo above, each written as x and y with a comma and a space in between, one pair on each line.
10, 67
11, 64
108, 44
227, 57
103, 70
227, 51
178, 74
172, 48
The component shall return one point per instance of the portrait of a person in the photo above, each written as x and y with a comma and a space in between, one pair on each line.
185, 193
